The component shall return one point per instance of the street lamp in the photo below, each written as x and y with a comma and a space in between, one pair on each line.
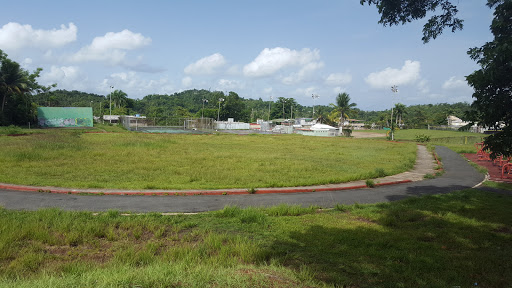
218, 112
110, 106
202, 111
314, 98
394, 89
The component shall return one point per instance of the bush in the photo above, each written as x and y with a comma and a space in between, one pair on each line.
422, 138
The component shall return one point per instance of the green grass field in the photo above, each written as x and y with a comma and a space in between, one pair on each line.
72, 158
462, 239
460, 142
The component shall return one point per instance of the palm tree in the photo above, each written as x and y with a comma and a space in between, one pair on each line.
343, 107
119, 98
400, 111
12, 80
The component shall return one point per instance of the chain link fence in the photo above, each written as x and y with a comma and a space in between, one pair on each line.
170, 124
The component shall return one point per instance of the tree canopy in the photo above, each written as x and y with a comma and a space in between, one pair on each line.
394, 12
16, 86
492, 83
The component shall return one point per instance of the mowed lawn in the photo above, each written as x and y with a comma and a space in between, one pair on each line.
72, 158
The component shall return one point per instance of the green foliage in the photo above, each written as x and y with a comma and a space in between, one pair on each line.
16, 86
492, 83
422, 138
402, 12
370, 183
463, 236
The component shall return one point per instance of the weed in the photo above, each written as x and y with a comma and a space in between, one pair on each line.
370, 183
341, 207
380, 172
429, 176
422, 138
251, 190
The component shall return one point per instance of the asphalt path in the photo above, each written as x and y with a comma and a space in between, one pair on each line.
458, 175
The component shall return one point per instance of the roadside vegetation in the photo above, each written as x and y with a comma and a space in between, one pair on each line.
458, 239
73, 158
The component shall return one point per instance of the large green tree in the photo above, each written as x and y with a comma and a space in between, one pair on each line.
394, 12
16, 85
492, 83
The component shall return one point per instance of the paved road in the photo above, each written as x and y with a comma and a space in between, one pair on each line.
458, 175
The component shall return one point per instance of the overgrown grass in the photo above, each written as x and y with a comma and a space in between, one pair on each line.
498, 185
460, 142
449, 240
72, 158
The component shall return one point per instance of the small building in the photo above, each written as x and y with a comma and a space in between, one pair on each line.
49, 117
455, 122
319, 130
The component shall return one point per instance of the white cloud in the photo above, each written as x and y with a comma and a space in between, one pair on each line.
186, 82
229, 84
408, 74
111, 48
335, 79
423, 86
454, 83
135, 85
270, 61
67, 77
206, 65
306, 92
15, 36
306, 71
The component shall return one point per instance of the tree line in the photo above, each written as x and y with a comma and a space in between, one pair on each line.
205, 103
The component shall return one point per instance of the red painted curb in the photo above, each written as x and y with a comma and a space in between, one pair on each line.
192, 193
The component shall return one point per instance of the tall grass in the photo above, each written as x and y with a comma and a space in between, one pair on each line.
449, 240
70, 158
460, 142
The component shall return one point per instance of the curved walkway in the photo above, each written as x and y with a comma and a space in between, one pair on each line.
458, 175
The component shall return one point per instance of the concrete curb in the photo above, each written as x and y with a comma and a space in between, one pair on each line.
188, 192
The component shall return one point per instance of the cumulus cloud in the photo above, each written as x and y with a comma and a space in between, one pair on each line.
206, 65
454, 83
135, 85
15, 36
111, 48
408, 74
336, 79
303, 73
270, 61
229, 84
67, 77
186, 82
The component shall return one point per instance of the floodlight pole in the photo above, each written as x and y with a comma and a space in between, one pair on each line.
218, 112
202, 111
394, 89
110, 106
314, 98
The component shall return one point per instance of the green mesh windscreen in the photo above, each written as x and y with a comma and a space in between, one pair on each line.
64, 116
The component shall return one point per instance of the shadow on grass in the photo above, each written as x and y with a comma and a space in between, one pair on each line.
456, 239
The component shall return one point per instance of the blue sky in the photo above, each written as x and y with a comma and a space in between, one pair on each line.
258, 49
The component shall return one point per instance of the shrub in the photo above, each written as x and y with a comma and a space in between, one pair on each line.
422, 138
